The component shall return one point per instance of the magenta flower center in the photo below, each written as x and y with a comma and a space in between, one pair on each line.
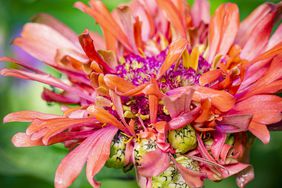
139, 70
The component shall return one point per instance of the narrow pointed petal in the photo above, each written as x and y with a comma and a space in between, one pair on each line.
23, 64
210, 77
116, 83
153, 107
257, 40
223, 29
126, 19
175, 52
277, 49
27, 116
173, 15
72, 164
104, 116
43, 78
275, 38
102, 16
88, 46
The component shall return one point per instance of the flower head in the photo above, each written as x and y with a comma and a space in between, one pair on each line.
166, 89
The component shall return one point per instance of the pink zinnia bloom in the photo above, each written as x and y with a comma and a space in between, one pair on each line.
166, 89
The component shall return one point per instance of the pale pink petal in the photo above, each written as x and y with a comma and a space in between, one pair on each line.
184, 119
223, 29
42, 42
99, 154
275, 38
234, 123
23, 140
219, 141
178, 104
72, 164
192, 178
200, 12
27, 116
153, 163
245, 176
260, 131
52, 22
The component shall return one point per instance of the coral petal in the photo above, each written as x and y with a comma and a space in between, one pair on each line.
223, 29
175, 52
260, 131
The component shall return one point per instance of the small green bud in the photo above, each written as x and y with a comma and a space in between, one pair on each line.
142, 147
170, 178
183, 140
188, 163
117, 155
230, 139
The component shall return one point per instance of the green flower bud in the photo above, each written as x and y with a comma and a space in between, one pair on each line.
117, 155
170, 178
142, 147
183, 140
188, 163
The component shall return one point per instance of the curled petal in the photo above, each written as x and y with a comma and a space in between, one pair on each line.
234, 123
219, 140
153, 163
177, 104
116, 83
210, 77
184, 119
88, 46
219, 98
175, 52
192, 178
23, 140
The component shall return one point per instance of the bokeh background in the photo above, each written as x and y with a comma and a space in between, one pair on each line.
35, 167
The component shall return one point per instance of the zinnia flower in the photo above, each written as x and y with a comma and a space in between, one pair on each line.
166, 90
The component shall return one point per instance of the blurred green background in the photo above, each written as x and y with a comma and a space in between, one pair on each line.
35, 167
